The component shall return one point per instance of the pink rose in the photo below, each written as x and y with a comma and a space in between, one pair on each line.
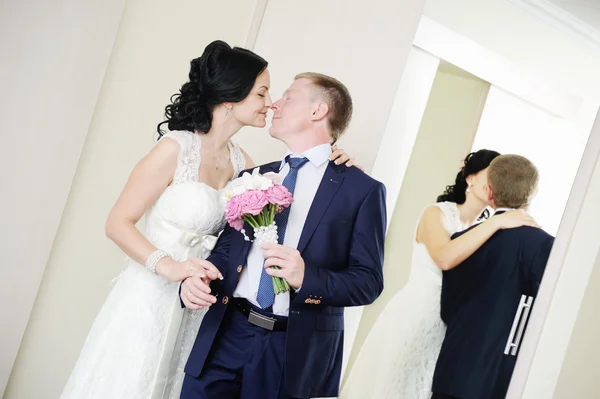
233, 213
280, 196
234, 208
237, 224
253, 201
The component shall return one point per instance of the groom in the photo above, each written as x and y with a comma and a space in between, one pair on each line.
253, 344
487, 298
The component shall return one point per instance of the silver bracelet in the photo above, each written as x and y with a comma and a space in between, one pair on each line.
154, 258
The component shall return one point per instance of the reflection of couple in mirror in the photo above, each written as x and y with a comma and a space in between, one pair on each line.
461, 346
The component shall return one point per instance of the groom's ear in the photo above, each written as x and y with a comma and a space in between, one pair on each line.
490, 193
320, 111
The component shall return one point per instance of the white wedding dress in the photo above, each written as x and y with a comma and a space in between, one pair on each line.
140, 340
399, 355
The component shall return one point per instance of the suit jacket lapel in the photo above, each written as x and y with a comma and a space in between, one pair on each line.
270, 167
330, 183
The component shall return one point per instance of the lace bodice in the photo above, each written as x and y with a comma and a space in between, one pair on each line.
452, 222
188, 211
422, 264
188, 161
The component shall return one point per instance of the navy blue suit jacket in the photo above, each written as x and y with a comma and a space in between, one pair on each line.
479, 301
342, 246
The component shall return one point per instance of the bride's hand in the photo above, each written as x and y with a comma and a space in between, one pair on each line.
195, 267
339, 156
195, 294
515, 218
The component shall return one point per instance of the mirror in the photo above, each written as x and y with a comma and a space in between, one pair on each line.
476, 99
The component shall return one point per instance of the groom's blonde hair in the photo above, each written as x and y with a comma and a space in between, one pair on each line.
337, 96
513, 180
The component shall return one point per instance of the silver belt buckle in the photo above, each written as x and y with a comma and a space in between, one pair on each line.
260, 320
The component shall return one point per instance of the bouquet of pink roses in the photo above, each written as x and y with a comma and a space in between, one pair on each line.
256, 199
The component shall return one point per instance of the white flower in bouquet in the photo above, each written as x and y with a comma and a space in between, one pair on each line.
247, 181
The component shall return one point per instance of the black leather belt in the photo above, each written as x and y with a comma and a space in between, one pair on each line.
259, 317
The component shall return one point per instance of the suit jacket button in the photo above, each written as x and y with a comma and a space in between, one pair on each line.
239, 269
225, 300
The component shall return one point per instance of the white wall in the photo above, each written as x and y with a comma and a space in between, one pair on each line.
579, 373
54, 56
156, 40
405, 119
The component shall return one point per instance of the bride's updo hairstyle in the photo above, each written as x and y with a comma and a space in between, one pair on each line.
474, 163
221, 74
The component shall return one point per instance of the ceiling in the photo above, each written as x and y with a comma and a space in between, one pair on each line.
578, 19
587, 11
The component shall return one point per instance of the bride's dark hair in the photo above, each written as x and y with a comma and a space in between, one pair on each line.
221, 74
473, 164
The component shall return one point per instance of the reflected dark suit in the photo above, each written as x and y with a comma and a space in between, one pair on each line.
479, 303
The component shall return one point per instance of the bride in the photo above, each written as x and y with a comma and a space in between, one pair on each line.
398, 357
141, 338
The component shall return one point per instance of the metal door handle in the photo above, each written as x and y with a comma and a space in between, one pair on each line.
518, 326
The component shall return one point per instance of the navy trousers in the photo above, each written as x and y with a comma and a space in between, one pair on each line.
245, 362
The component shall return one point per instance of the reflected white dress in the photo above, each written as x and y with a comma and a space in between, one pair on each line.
398, 358
140, 340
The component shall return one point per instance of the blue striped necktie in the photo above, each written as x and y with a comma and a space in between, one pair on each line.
266, 295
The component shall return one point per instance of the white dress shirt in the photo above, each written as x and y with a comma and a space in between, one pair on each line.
309, 179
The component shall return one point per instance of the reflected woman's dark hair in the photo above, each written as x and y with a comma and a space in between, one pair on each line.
221, 74
473, 164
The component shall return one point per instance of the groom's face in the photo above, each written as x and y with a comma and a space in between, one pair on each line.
293, 113
480, 187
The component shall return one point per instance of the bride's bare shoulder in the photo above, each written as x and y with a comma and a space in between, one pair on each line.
432, 211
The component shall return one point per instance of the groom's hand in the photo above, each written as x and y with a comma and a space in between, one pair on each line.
195, 293
288, 259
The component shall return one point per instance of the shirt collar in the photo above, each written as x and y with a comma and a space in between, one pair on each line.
317, 155
503, 210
